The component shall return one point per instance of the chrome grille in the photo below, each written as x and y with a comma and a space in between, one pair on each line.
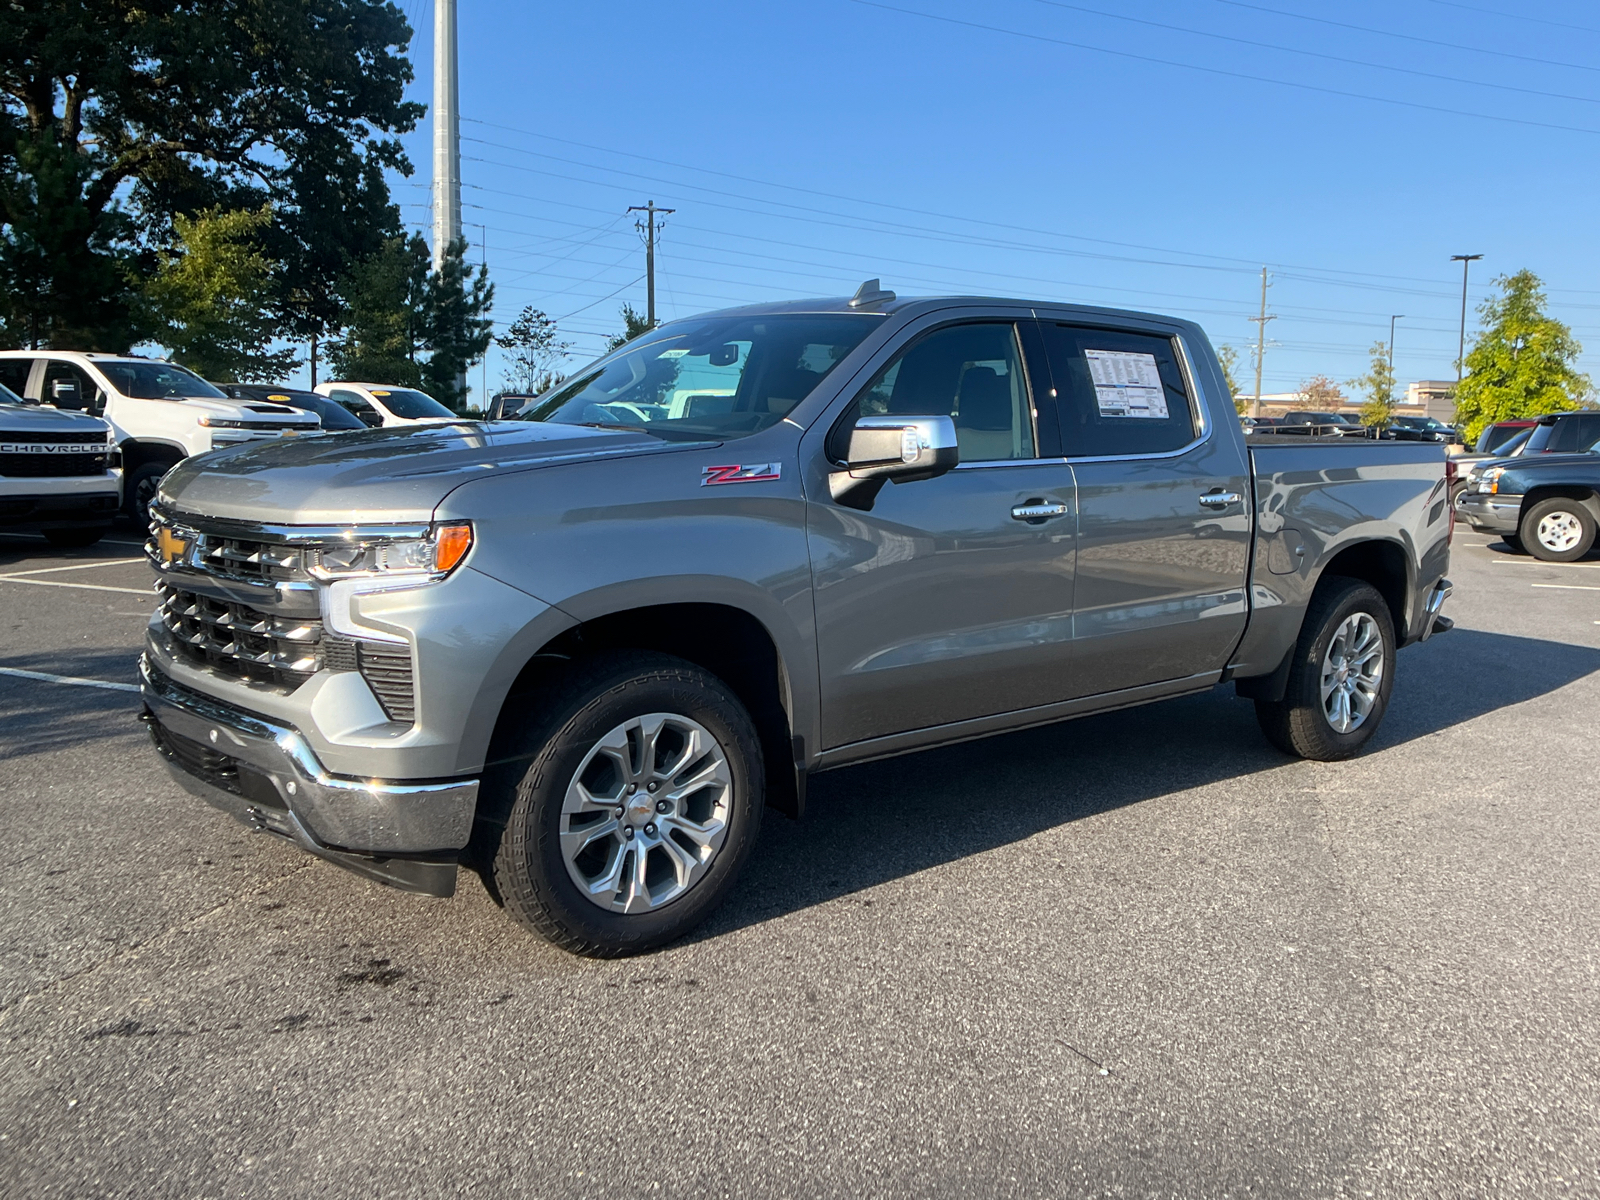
240, 640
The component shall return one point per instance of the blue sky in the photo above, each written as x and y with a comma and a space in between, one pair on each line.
1134, 153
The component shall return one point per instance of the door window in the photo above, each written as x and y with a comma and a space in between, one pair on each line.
65, 386
970, 373
1117, 393
14, 374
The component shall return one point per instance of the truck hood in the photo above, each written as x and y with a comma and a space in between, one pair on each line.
398, 474
18, 418
1543, 462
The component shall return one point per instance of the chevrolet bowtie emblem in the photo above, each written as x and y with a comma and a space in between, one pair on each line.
171, 547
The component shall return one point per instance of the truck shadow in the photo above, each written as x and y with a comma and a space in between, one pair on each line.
885, 820
37, 717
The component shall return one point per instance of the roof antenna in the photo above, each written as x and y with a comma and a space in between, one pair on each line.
870, 292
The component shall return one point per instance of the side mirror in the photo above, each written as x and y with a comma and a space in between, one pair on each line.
897, 449
64, 393
370, 417
723, 356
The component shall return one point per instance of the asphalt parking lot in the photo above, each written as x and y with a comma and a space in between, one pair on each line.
1140, 954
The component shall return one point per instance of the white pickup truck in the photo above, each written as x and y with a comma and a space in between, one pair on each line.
159, 412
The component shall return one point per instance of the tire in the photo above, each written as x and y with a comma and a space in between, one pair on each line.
139, 489
75, 539
583, 748
1558, 530
1300, 723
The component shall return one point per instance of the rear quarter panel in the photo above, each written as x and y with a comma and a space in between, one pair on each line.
1322, 497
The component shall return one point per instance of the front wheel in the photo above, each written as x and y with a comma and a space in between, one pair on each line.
140, 491
1558, 530
640, 802
1341, 676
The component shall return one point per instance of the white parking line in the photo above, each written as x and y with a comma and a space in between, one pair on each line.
88, 587
1566, 587
104, 562
74, 680
1517, 562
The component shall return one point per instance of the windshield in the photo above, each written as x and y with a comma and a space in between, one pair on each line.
720, 377
7, 396
410, 403
156, 381
1514, 447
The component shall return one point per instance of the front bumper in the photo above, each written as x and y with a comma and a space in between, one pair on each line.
50, 503
1489, 513
407, 835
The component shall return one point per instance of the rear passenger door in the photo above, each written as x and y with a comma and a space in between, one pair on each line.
1163, 509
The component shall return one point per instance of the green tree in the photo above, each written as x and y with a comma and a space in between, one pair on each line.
633, 324
1228, 357
115, 115
383, 321
456, 329
1522, 364
1378, 387
207, 300
533, 346
409, 326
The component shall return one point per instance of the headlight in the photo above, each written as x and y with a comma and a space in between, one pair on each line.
1489, 481
435, 555
113, 451
222, 423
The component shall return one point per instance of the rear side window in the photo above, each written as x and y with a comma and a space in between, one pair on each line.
1117, 393
970, 373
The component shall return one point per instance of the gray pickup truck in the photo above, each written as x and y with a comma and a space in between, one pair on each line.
581, 650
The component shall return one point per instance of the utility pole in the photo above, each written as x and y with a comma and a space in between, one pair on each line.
446, 132
1261, 338
1461, 346
1392, 320
649, 230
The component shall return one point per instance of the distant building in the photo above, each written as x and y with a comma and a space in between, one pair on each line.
1435, 397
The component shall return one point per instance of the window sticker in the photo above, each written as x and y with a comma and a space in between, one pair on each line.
1126, 384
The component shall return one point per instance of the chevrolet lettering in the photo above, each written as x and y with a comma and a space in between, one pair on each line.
562, 651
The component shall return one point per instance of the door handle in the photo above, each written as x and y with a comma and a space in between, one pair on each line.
1219, 499
1038, 510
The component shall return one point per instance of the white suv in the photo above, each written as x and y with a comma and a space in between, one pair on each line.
378, 404
159, 412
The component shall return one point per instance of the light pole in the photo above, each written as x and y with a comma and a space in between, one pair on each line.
1392, 320
1461, 346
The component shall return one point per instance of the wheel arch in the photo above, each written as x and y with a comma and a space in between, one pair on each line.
137, 452
1580, 493
726, 639
1386, 565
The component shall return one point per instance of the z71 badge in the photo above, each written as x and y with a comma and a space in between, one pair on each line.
749, 473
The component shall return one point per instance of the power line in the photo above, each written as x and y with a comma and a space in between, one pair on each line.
1351, 62
1167, 62
1409, 37
1494, 12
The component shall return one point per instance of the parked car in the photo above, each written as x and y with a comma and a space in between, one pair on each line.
1564, 433
334, 417
60, 472
584, 650
159, 411
1546, 504
378, 405
1467, 466
1320, 424
1499, 433
1418, 429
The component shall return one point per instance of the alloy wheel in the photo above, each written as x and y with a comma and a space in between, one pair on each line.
646, 812
1352, 672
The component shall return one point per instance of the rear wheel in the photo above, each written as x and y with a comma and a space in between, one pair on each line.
1558, 530
69, 539
640, 802
1341, 676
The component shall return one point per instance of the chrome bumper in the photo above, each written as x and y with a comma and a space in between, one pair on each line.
407, 835
1488, 512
